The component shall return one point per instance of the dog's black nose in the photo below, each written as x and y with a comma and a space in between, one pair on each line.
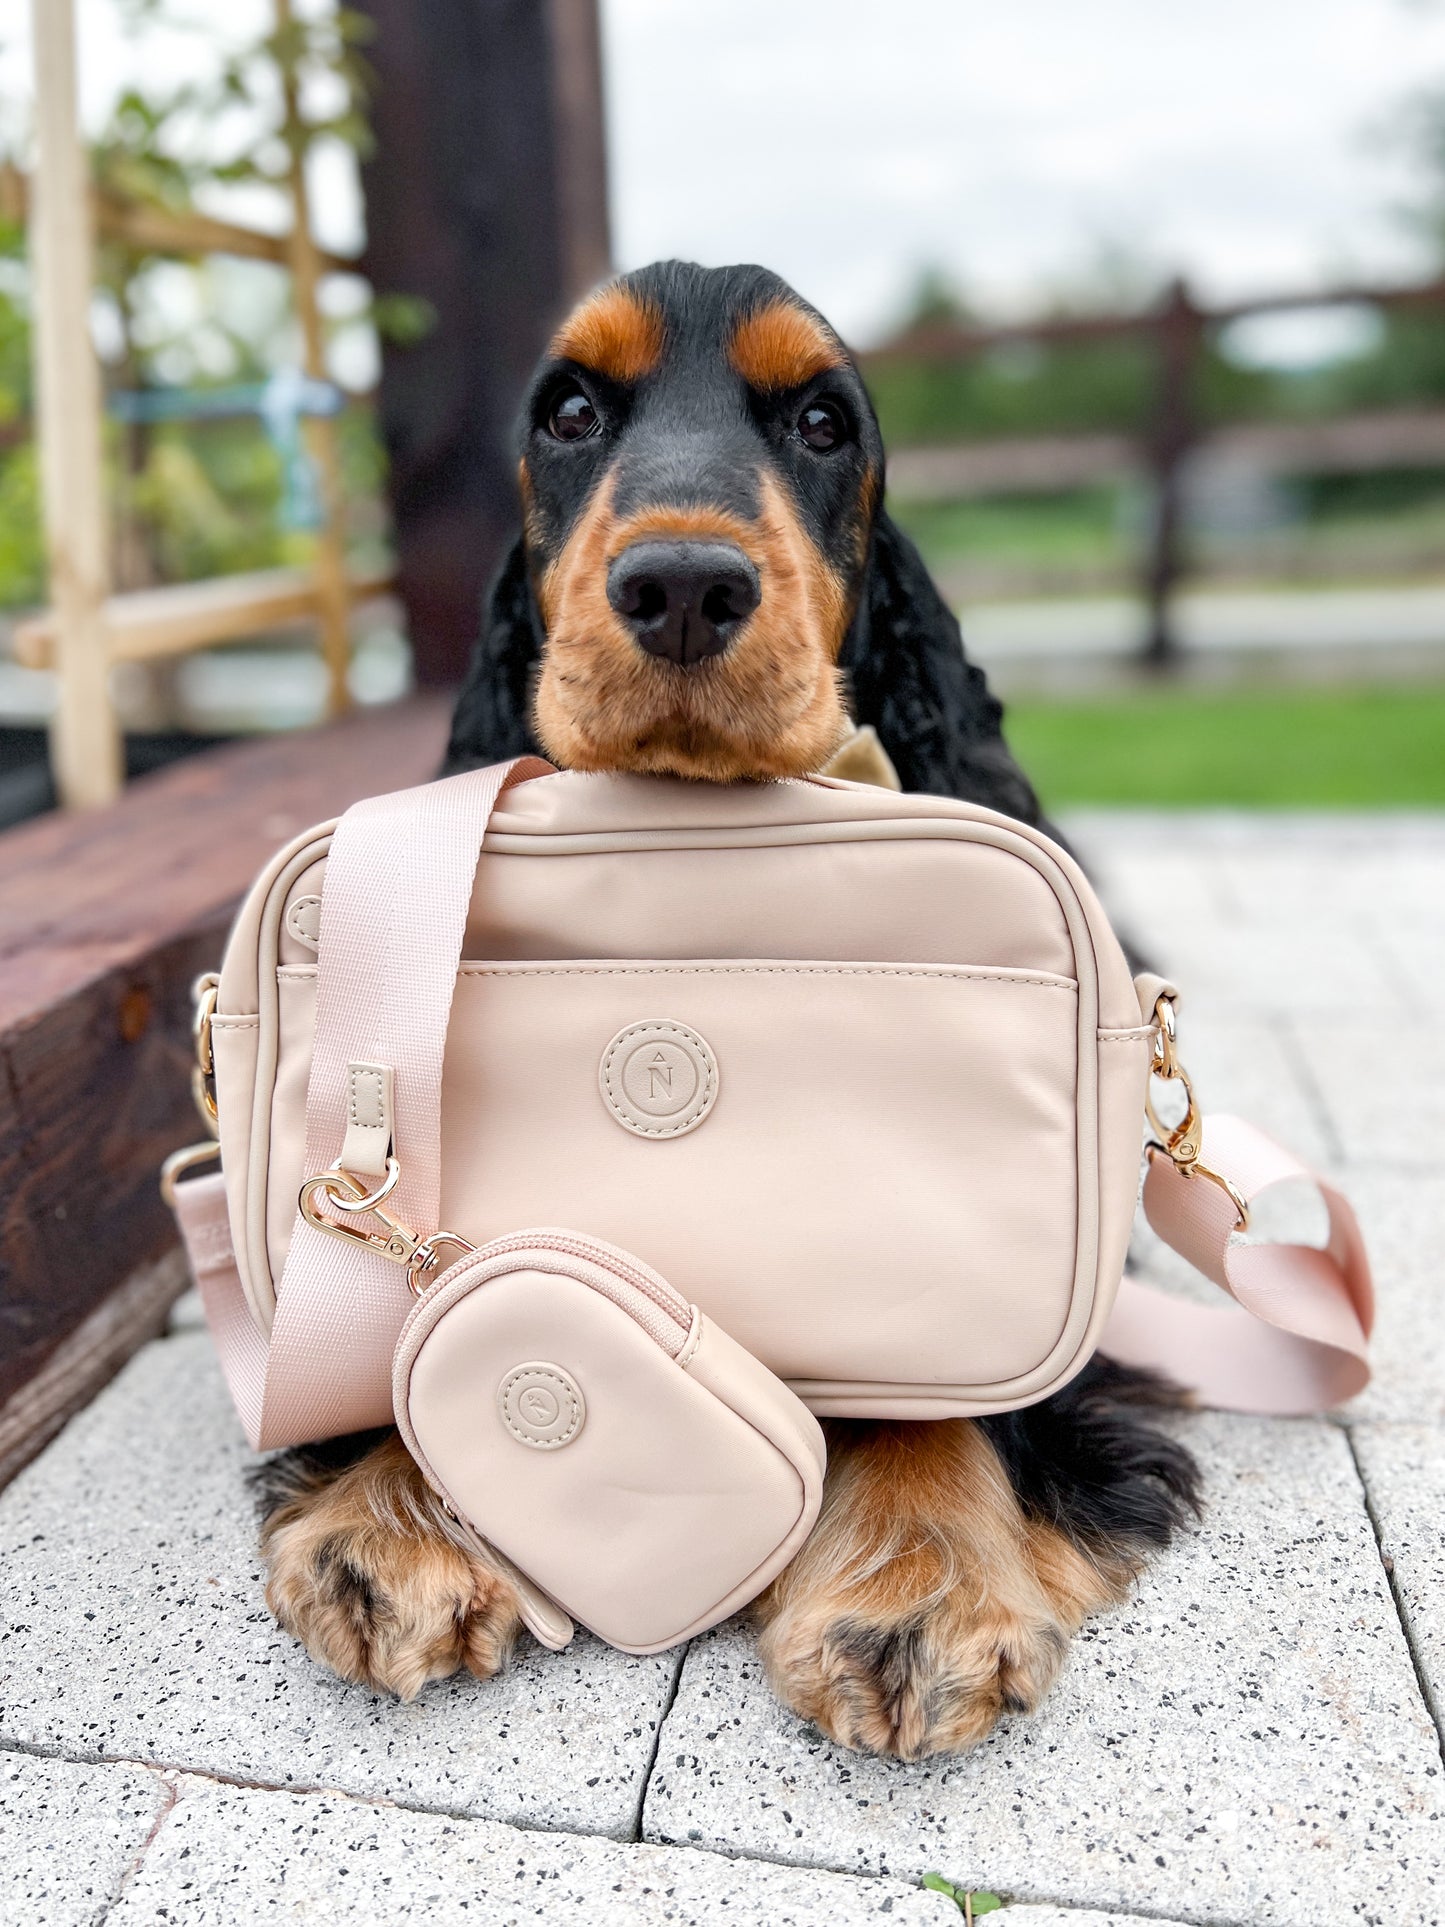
683, 600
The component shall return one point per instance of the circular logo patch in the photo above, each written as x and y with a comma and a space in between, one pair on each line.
541, 1405
658, 1079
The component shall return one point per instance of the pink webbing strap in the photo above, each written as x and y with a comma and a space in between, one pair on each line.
394, 904
1296, 1338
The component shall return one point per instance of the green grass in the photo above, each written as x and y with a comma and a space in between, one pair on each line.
1257, 747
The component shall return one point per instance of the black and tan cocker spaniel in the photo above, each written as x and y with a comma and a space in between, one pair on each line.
706, 584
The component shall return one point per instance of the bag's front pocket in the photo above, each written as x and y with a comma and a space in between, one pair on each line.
866, 1173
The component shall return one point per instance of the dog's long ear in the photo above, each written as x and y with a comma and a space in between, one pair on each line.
911, 679
493, 716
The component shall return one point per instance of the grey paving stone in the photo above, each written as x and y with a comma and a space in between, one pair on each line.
1383, 1084
1243, 1741
1402, 1216
224, 1856
1404, 1468
132, 1626
1294, 913
68, 1835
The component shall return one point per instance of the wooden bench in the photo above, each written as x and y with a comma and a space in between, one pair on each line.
105, 919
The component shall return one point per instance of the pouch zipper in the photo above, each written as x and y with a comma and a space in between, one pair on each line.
670, 1302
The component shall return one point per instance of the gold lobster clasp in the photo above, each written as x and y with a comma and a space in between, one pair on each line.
1181, 1143
203, 1076
397, 1243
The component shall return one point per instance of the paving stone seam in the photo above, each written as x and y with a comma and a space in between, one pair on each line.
304, 1788
635, 1834
1402, 1610
170, 1799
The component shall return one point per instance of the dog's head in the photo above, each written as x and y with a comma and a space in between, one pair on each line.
700, 470
706, 583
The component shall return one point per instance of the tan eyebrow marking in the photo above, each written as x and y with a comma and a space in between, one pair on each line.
615, 332
779, 346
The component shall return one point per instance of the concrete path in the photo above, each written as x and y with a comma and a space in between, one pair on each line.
1254, 1739
1057, 643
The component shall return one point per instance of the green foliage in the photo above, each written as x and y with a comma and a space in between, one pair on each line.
1251, 747
22, 562
195, 501
971, 1903
1074, 528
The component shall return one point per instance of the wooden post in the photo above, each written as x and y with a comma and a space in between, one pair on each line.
332, 600
486, 199
85, 738
1172, 435
585, 238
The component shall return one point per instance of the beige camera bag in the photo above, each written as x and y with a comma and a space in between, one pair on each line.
863, 1074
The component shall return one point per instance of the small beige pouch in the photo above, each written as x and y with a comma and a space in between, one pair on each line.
642, 1469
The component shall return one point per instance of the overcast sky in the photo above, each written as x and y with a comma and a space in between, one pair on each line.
846, 143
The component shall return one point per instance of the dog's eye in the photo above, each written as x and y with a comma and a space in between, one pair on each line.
822, 425
572, 416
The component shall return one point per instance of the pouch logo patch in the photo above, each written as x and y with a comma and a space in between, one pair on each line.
659, 1079
541, 1405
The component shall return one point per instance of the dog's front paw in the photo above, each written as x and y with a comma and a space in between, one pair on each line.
925, 1604
878, 1669
374, 1580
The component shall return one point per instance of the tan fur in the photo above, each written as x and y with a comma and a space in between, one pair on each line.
377, 1581
780, 347
926, 1603
615, 332
770, 706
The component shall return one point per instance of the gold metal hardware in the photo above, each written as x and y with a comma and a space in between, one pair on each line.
203, 1078
368, 1200
1182, 1142
398, 1244
179, 1162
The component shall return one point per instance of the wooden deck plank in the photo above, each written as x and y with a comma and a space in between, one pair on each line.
105, 918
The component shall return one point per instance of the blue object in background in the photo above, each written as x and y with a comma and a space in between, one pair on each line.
281, 403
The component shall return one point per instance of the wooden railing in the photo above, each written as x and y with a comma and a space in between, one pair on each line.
1175, 333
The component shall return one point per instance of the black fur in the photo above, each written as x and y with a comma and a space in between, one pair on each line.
911, 678
493, 720
292, 1474
1085, 1462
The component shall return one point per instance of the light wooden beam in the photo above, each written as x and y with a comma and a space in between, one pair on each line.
85, 737
167, 230
148, 623
332, 601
